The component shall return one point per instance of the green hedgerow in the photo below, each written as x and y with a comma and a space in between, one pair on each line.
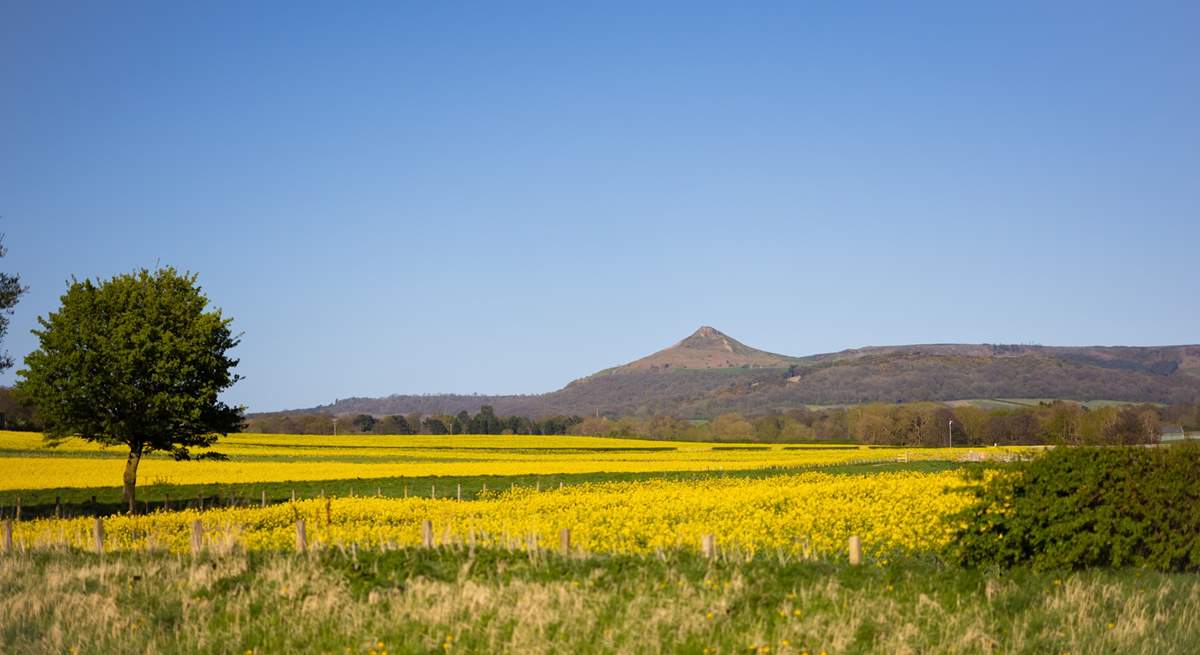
1083, 507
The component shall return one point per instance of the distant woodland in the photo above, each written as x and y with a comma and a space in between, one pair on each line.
908, 424
898, 424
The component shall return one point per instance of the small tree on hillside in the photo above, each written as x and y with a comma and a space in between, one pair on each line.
136, 360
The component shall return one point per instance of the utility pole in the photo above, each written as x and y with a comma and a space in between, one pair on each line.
951, 431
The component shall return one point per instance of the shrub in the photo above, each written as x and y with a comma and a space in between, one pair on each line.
1085, 507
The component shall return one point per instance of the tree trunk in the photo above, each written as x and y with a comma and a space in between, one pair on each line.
131, 467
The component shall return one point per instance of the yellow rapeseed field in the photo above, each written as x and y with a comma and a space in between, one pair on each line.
807, 513
26, 463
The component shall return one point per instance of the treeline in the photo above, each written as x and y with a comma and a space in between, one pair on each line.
909, 424
918, 424
899, 424
14, 415
484, 422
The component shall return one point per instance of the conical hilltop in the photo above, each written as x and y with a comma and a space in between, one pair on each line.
707, 348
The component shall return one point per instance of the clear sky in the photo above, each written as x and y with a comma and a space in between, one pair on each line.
502, 197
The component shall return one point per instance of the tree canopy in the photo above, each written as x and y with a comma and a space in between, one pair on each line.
137, 360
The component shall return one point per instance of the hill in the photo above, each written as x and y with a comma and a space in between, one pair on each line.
706, 348
709, 372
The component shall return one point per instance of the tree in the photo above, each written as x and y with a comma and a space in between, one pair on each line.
364, 422
593, 426
460, 423
414, 421
15, 415
974, 423
404, 426
10, 293
767, 428
1061, 423
485, 422
730, 425
395, 424
136, 360
1132, 425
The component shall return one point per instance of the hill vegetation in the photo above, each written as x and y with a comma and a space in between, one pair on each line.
709, 374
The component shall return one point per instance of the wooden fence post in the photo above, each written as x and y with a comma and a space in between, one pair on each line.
855, 551
293, 495
197, 537
537, 485
564, 541
708, 545
460, 491
264, 498
427, 534
301, 537
8, 546
17, 513
378, 491
58, 507
406, 491
200, 500
433, 490
98, 536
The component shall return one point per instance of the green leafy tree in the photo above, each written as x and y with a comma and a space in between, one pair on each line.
397, 424
364, 422
461, 421
10, 293
434, 425
137, 360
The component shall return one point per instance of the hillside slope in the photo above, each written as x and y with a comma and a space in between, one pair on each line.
709, 372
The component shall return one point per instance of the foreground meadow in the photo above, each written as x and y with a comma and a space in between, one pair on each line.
495, 601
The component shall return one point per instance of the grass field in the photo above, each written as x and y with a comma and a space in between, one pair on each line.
496, 601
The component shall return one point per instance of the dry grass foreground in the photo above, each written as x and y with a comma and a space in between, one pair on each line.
416, 601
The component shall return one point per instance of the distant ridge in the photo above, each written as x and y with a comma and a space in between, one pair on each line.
709, 372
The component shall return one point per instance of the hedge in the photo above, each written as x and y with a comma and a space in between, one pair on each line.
1087, 507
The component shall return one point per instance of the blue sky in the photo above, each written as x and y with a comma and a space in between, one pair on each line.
502, 197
